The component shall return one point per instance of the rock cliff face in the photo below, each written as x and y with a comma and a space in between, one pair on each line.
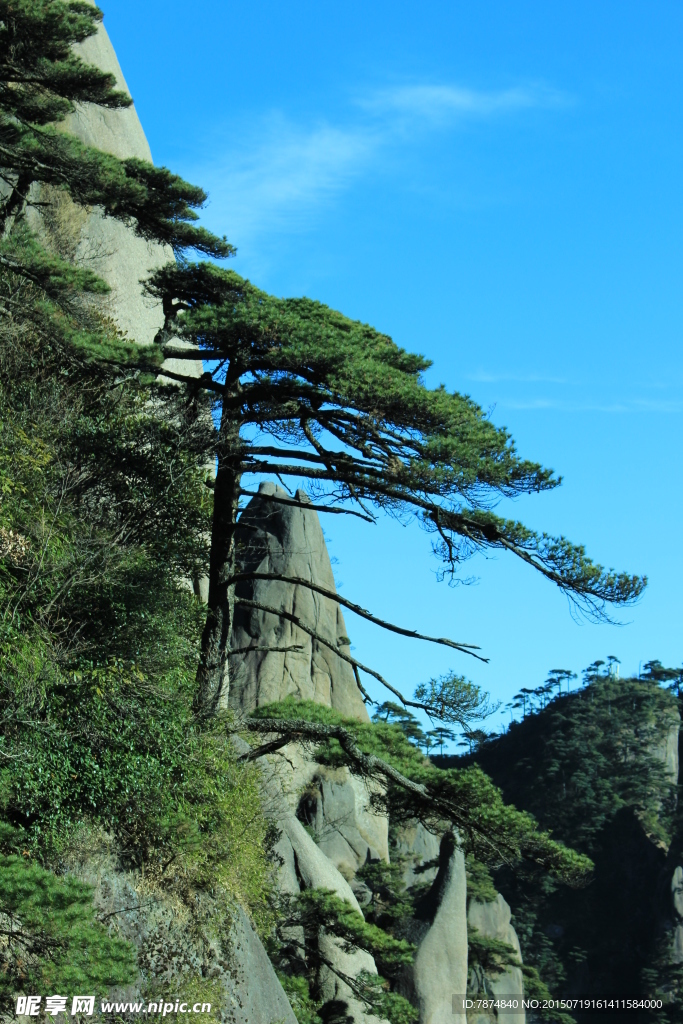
278, 538
440, 933
107, 246
177, 947
104, 245
492, 920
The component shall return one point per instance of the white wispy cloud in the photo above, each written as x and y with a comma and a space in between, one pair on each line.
284, 175
626, 406
278, 176
484, 377
435, 103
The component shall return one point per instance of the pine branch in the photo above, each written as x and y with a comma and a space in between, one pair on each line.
370, 764
281, 650
281, 613
308, 505
356, 608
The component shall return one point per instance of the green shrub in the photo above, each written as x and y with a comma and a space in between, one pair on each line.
54, 942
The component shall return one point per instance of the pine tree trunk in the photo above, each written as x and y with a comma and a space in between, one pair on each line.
213, 674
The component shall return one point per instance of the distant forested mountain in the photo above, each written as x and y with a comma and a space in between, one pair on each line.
598, 768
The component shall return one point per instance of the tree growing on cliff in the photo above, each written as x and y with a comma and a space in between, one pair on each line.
101, 515
305, 393
42, 79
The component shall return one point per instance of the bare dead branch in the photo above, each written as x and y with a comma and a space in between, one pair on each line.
307, 505
356, 608
281, 613
248, 650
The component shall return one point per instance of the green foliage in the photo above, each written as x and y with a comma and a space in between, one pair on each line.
536, 988
102, 512
54, 942
341, 919
587, 755
465, 798
298, 991
314, 909
103, 523
390, 904
389, 711
41, 78
589, 766
108, 746
315, 380
40, 75
102, 516
99, 488
491, 955
453, 698
480, 885
57, 278
385, 1004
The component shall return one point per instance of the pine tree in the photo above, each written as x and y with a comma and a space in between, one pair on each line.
304, 392
41, 80
102, 511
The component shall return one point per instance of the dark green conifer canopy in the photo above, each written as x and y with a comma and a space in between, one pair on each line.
338, 403
40, 75
41, 80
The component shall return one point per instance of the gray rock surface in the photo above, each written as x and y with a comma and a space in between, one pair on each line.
107, 246
305, 866
176, 945
313, 870
493, 920
256, 996
667, 750
440, 967
279, 538
337, 805
333, 987
418, 848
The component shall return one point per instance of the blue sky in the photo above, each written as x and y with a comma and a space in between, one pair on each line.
497, 186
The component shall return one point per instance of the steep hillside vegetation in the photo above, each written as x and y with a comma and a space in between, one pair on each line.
598, 767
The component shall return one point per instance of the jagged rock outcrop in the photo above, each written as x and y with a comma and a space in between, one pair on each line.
278, 538
439, 931
281, 538
336, 805
303, 865
492, 920
107, 246
419, 851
